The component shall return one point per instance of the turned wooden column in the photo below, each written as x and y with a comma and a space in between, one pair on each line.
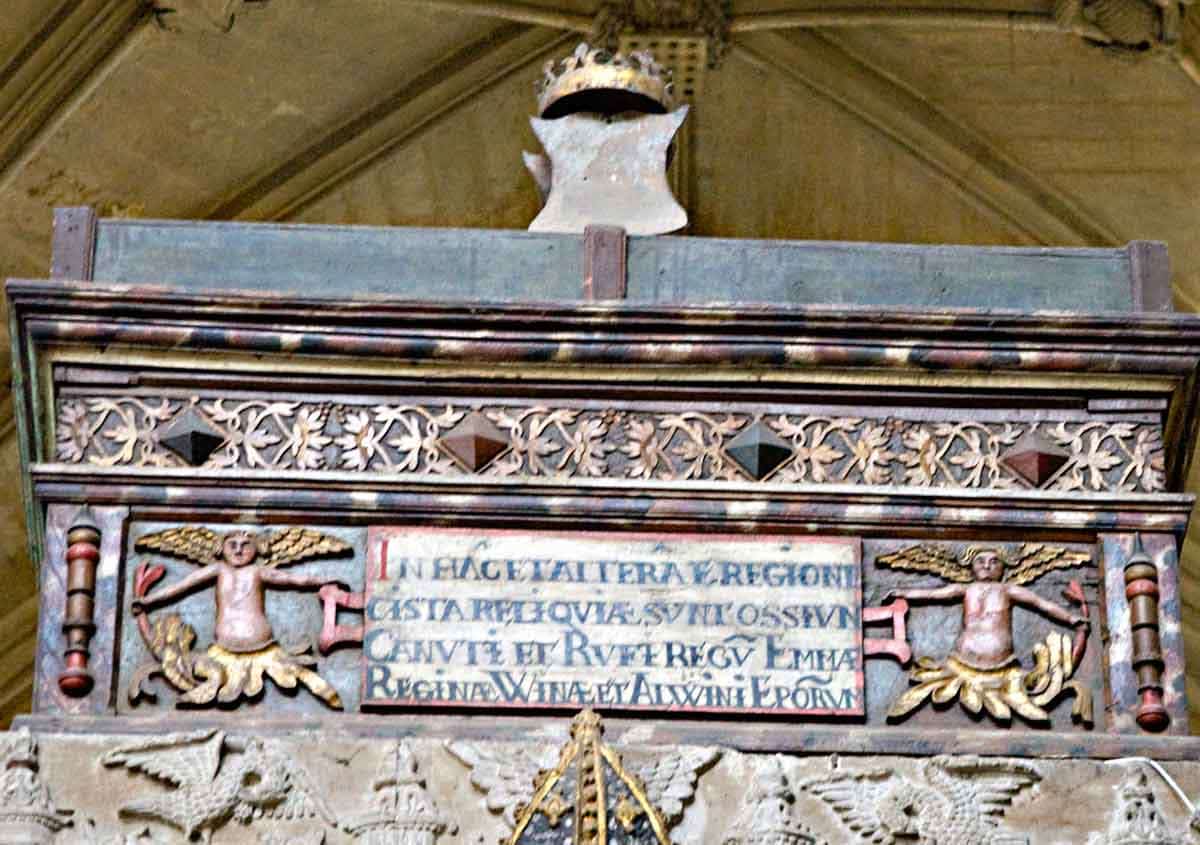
83, 553
1141, 591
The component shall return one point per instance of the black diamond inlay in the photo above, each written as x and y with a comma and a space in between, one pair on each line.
191, 437
758, 450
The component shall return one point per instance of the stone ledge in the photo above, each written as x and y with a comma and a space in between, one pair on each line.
759, 737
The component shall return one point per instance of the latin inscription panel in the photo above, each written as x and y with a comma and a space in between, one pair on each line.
707, 623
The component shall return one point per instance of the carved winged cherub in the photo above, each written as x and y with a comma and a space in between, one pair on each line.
983, 671
960, 802
242, 565
212, 786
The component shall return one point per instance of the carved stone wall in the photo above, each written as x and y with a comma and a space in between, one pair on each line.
341, 787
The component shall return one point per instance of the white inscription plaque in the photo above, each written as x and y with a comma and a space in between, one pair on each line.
691, 622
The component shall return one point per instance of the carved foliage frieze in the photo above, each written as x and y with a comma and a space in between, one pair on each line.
543, 440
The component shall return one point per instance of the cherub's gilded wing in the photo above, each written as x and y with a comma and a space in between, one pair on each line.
296, 545
193, 543
505, 776
987, 786
182, 759
856, 799
670, 779
1036, 559
928, 558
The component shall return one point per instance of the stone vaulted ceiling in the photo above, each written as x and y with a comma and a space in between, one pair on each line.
984, 122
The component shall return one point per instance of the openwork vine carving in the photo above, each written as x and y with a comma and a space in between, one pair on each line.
112, 432
543, 440
1100, 452
553, 442
681, 446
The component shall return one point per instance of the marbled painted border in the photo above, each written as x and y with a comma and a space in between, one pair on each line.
47, 697
1115, 550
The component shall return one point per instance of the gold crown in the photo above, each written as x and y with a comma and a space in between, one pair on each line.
597, 80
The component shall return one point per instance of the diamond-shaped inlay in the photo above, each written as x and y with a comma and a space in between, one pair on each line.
475, 441
758, 450
1035, 458
191, 437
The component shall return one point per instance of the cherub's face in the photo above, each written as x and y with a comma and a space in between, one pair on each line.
239, 549
987, 566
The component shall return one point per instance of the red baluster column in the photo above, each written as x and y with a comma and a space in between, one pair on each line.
83, 553
1141, 591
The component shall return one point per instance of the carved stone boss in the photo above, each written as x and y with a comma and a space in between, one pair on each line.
682, 622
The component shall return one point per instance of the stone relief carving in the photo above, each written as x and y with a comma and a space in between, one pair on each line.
503, 775
670, 779
28, 813
214, 779
403, 812
92, 836
242, 566
982, 672
212, 787
769, 815
1136, 818
958, 801
315, 838
561, 442
589, 791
